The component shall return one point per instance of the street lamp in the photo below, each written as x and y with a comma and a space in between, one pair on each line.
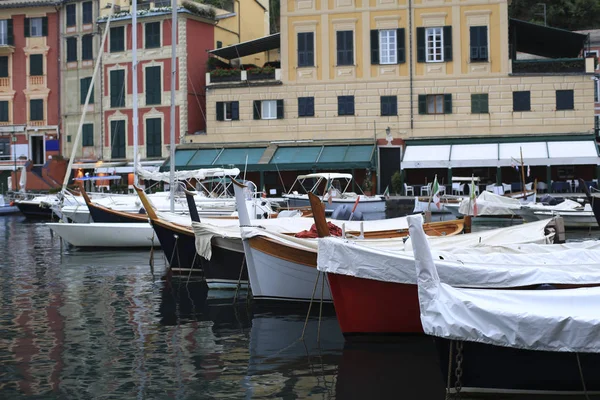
544, 13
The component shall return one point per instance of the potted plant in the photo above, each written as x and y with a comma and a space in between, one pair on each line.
367, 185
225, 75
258, 73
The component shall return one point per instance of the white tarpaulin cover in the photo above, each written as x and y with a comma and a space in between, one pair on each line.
564, 320
199, 174
489, 204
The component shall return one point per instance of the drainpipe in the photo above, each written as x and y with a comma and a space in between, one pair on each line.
239, 21
58, 49
410, 65
100, 58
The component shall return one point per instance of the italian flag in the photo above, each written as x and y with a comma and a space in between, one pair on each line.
436, 193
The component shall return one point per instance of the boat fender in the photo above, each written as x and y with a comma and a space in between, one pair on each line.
265, 215
142, 211
357, 216
341, 213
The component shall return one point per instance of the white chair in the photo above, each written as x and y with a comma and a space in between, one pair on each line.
529, 186
442, 189
426, 190
409, 189
507, 187
575, 185
458, 188
543, 187
476, 189
490, 188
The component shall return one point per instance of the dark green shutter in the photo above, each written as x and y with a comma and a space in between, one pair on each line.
420, 44
310, 106
302, 106
422, 104
9, 32
153, 79
153, 137
36, 110
384, 105
401, 45
36, 64
117, 88
483, 43
220, 111
374, 46
71, 49
27, 31
341, 105
45, 26
279, 109
448, 43
4, 67
256, 108
235, 110
71, 14
447, 104
87, 47
87, 135
85, 85
4, 111
117, 136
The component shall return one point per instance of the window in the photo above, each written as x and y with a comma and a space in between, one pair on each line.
117, 139
71, 15
153, 137
522, 101
479, 43
268, 109
306, 106
345, 105
117, 39
35, 27
36, 64
152, 35
228, 111
389, 105
87, 135
6, 32
219, 44
479, 103
85, 86
86, 10
4, 148
435, 104
36, 110
87, 47
434, 44
153, 86
345, 47
117, 88
306, 49
387, 47
4, 67
564, 100
4, 111
71, 49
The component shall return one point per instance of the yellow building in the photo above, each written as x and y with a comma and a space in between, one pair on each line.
423, 86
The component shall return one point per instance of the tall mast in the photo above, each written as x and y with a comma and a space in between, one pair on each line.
172, 122
135, 88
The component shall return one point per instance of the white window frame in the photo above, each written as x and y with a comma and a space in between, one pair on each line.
388, 46
434, 49
3, 32
227, 104
271, 107
35, 27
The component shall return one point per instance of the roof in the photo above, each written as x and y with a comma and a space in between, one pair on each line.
545, 41
28, 3
254, 46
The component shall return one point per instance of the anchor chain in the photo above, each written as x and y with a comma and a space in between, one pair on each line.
459, 371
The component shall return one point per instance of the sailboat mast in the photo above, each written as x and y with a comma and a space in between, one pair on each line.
173, 76
523, 175
134, 75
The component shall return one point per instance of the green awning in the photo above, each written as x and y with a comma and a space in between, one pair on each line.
544, 41
324, 157
186, 159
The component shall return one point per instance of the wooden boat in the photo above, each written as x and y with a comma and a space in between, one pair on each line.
223, 268
488, 340
109, 235
99, 213
283, 268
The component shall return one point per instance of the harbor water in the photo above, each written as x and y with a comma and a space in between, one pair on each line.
106, 325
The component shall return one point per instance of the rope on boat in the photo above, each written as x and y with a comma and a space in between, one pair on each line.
173, 252
585, 392
191, 267
312, 298
239, 282
320, 309
151, 260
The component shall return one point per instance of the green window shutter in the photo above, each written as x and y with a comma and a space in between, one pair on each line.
36, 110
117, 88
71, 14
117, 139
235, 110
117, 39
401, 45
448, 43
4, 67
279, 109
87, 135
475, 104
27, 31
71, 49
420, 44
153, 79
153, 137
220, 111
374, 47
152, 34
85, 85
422, 104
483, 104
256, 111
36, 65
86, 10
45, 26
4, 111
10, 33
447, 104
564, 100
87, 47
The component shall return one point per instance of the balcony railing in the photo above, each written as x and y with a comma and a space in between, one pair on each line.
554, 66
37, 80
4, 83
37, 123
243, 76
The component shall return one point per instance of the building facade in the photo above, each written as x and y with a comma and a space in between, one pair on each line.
403, 76
30, 90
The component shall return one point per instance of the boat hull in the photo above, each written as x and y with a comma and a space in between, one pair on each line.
112, 235
370, 206
282, 274
358, 305
222, 271
576, 219
494, 369
33, 210
7, 210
